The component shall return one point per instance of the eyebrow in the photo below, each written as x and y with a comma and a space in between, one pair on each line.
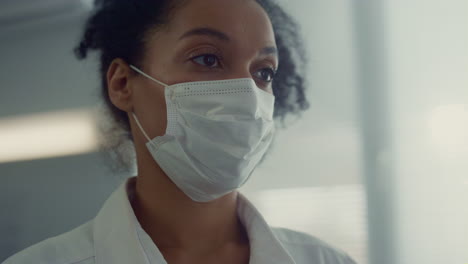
205, 31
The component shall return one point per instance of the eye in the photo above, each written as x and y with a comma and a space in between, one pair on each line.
208, 60
265, 74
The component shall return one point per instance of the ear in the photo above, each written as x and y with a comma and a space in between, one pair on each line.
118, 88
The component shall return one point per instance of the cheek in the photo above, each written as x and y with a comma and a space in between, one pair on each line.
150, 108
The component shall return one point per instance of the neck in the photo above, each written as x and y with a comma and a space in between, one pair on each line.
174, 221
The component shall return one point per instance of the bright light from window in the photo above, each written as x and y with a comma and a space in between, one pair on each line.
47, 135
448, 126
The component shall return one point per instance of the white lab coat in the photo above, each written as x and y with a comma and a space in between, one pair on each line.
115, 236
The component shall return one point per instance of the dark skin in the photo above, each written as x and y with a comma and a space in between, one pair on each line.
204, 40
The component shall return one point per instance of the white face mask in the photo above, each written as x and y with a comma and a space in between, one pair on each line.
217, 132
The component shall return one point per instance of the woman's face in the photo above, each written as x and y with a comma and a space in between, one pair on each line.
204, 40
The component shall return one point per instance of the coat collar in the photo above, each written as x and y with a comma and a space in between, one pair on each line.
119, 238
114, 231
264, 245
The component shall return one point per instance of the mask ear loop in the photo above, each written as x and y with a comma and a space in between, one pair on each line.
147, 76
151, 78
141, 128
134, 116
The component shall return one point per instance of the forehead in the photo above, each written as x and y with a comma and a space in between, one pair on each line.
239, 19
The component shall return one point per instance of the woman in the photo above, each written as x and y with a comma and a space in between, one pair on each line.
196, 84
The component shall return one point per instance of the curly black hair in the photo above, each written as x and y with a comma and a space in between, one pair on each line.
119, 28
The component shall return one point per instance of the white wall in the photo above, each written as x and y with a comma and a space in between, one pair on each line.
428, 69
414, 90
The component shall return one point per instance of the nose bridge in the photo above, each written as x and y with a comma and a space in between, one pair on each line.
240, 70
240, 64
